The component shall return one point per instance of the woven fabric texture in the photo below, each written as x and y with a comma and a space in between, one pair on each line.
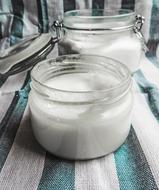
24, 164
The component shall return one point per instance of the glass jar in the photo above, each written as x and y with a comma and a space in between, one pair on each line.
81, 105
114, 34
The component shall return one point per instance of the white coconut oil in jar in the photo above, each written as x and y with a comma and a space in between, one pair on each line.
103, 32
80, 105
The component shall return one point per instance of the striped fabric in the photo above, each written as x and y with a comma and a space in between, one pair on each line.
24, 165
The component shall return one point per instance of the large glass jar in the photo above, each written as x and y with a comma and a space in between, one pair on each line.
81, 105
114, 34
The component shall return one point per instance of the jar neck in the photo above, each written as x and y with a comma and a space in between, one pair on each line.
113, 78
97, 35
99, 22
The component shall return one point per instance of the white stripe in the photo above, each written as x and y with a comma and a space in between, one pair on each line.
144, 8
4, 43
150, 71
30, 18
24, 164
6, 6
96, 174
136, 88
109, 4
83, 4
5, 101
80, 4
147, 130
55, 10
53, 53
13, 83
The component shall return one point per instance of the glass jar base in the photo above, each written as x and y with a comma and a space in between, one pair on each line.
80, 156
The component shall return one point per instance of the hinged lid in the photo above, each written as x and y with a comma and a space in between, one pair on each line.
25, 54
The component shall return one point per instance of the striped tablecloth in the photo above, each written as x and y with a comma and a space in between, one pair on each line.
24, 165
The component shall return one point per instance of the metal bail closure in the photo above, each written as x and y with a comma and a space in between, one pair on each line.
137, 29
57, 25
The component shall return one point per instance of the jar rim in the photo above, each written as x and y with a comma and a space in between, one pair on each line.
78, 13
99, 19
120, 88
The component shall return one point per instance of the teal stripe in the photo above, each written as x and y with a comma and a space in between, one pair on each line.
154, 34
8, 114
132, 167
58, 174
150, 91
1, 36
10, 124
2, 80
154, 28
40, 19
152, 47
154, 60
98, 4
69, 5
17, 24
43, 16
151, 55
128, 4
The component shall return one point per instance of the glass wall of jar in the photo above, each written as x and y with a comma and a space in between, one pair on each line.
81, 105
114, 34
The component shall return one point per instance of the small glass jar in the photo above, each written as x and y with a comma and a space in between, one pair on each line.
114, 34
81, 105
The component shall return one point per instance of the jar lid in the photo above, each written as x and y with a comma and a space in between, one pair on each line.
25, 54
99, 19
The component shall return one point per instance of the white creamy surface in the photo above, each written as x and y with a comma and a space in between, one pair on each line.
80, 131
83, 81
125, 47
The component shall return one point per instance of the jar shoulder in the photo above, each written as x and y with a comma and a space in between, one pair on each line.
92, 112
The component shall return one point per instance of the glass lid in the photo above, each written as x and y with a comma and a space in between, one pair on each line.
18, 54
25, 54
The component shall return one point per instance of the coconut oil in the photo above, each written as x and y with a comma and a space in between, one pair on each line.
81, 105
